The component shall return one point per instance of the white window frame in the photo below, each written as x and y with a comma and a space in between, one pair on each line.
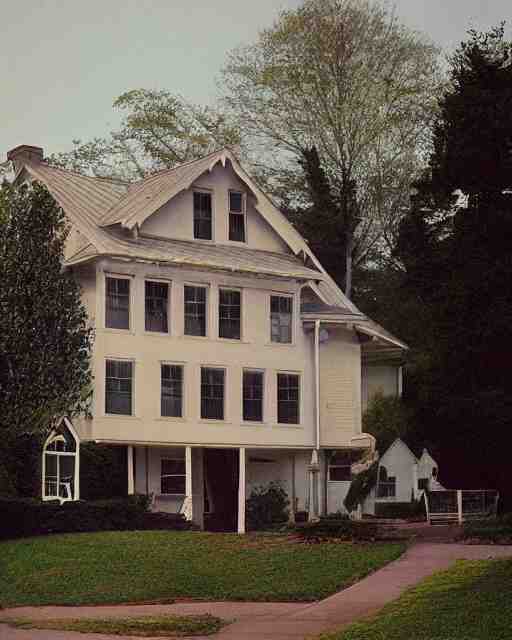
172, 475
208, 323
183, 391
212, 200
131, 301
240, 291
263, 411
301, 397
169, 306
53, 437
243, 213
122, 416
224, 403
281, 294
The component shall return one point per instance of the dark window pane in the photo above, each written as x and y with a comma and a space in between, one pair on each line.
117, 303
202, 216
118, 387
212, 393
172, 390
288, 398
173, 484
229, 314
340, 474
195, 311
235, 202
173, 467
237, 227
281, 319
253, 396
156, 306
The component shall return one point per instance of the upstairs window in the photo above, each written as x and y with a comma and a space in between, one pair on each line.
118, 387
340, 465
202, 215
157, 303
281, 319
212, 393
253, 396
195, 310
117, 303
229, 314
288, 398
172, 476
236, 216
172, 390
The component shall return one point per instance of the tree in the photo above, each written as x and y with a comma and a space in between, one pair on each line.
345, 77
45, 340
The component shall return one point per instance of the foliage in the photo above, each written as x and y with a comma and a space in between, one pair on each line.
360, 487
45, 340
102, 471
26, 517
339, 528
20, 462
154, 626
387, 419
491, 530
413, 510
470, 600
142, 566
266, 506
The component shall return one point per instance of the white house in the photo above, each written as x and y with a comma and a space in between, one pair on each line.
224, 356
402, 476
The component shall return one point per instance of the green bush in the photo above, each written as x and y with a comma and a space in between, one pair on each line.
28, 517
340, 529
267, 506
387, 418
406, 510
103, 471
498, 530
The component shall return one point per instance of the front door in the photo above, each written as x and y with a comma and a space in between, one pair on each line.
221, 472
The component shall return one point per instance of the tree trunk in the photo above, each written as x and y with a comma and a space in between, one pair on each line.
349, 245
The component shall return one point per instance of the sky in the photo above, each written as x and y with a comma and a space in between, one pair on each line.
63, 62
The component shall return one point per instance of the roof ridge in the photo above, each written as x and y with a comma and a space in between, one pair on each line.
159, 172
79, 175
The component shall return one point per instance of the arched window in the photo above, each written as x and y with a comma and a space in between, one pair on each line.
61, 464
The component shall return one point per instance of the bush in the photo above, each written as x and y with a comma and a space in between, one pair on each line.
340, 529
103, 471
361, 486
387, 418
406, 510
266, 507
497, 530
27, 517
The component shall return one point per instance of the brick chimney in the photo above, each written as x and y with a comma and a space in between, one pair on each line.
19, 156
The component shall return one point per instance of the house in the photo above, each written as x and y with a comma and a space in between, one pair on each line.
402, 477
224, 355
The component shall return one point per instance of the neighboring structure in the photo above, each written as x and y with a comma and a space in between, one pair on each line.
402, 477
224, 354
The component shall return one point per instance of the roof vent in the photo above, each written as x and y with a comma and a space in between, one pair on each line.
24, 153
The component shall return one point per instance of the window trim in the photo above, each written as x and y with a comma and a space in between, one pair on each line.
122, 416
172, 475
281, 294
240, 291
208, 322
301, 396
211, 193
183, 387
243, 213
169, 306
52, 437
223, 368
131, 299
263, 408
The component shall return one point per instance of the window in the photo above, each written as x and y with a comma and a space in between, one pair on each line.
229, 314
386, 487
157, 303
59, 461
172, 390
195, 311
236, 216
117, 304
172, 476
212, 393
288, 398
202, 215
281, 318
423, 484
253, 396
340, 465
118, 388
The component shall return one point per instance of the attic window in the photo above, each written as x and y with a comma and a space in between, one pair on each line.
202, 215
236, 216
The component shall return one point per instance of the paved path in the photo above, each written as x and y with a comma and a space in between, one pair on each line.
279, 621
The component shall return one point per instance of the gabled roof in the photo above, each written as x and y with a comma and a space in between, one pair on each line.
398, 443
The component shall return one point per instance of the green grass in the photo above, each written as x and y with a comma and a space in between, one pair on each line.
153, 626
159, 566
471, 601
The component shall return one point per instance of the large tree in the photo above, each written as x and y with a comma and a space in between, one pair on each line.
345, 77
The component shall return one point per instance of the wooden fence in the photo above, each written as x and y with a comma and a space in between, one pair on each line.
457, 506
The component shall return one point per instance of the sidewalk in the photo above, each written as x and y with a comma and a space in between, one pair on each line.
278, 621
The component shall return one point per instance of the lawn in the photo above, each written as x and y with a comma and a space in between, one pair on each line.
471, 601
160, 566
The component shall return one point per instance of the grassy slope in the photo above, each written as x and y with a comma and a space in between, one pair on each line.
109, 567
468, 602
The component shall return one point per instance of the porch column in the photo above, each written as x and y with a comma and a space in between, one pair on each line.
131, 483
187, 507
241, 490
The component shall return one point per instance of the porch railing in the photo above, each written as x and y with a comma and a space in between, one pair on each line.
458, 506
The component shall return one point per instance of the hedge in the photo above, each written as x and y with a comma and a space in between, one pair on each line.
495, 530
404, 510
338, 528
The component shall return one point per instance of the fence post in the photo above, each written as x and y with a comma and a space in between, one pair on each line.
459, 505
427, 511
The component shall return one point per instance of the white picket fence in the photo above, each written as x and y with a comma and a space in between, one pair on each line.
457, 506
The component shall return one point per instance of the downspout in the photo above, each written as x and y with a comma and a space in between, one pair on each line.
317, 383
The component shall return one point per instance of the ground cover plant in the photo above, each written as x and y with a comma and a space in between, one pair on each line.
159, 566
144, 626
470, 601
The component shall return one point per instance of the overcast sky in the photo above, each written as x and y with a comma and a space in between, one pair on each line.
62, 62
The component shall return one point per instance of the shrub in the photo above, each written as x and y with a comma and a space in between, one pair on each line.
498, 530
102, 471
266, 507
406, 510
361, 486
340, 529
387, 418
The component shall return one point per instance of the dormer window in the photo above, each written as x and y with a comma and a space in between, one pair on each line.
236, 216
202, 215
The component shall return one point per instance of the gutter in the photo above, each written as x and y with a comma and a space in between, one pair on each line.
317, 382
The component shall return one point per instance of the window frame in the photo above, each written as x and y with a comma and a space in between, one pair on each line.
54, 437
132, 390
240, 292
330, 465
172, 475
298, 375
168, 283
291, 297
263, 381
242, 214
207, 322
166, 363
131, 287
208, 192
388, 483
224, 387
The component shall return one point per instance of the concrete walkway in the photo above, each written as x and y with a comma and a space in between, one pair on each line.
278, 621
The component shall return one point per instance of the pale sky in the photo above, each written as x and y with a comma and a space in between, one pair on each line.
63, 62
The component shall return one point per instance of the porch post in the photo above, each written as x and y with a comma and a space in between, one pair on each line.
187, 507
459, 506
241, 490
131, 484
77, 473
